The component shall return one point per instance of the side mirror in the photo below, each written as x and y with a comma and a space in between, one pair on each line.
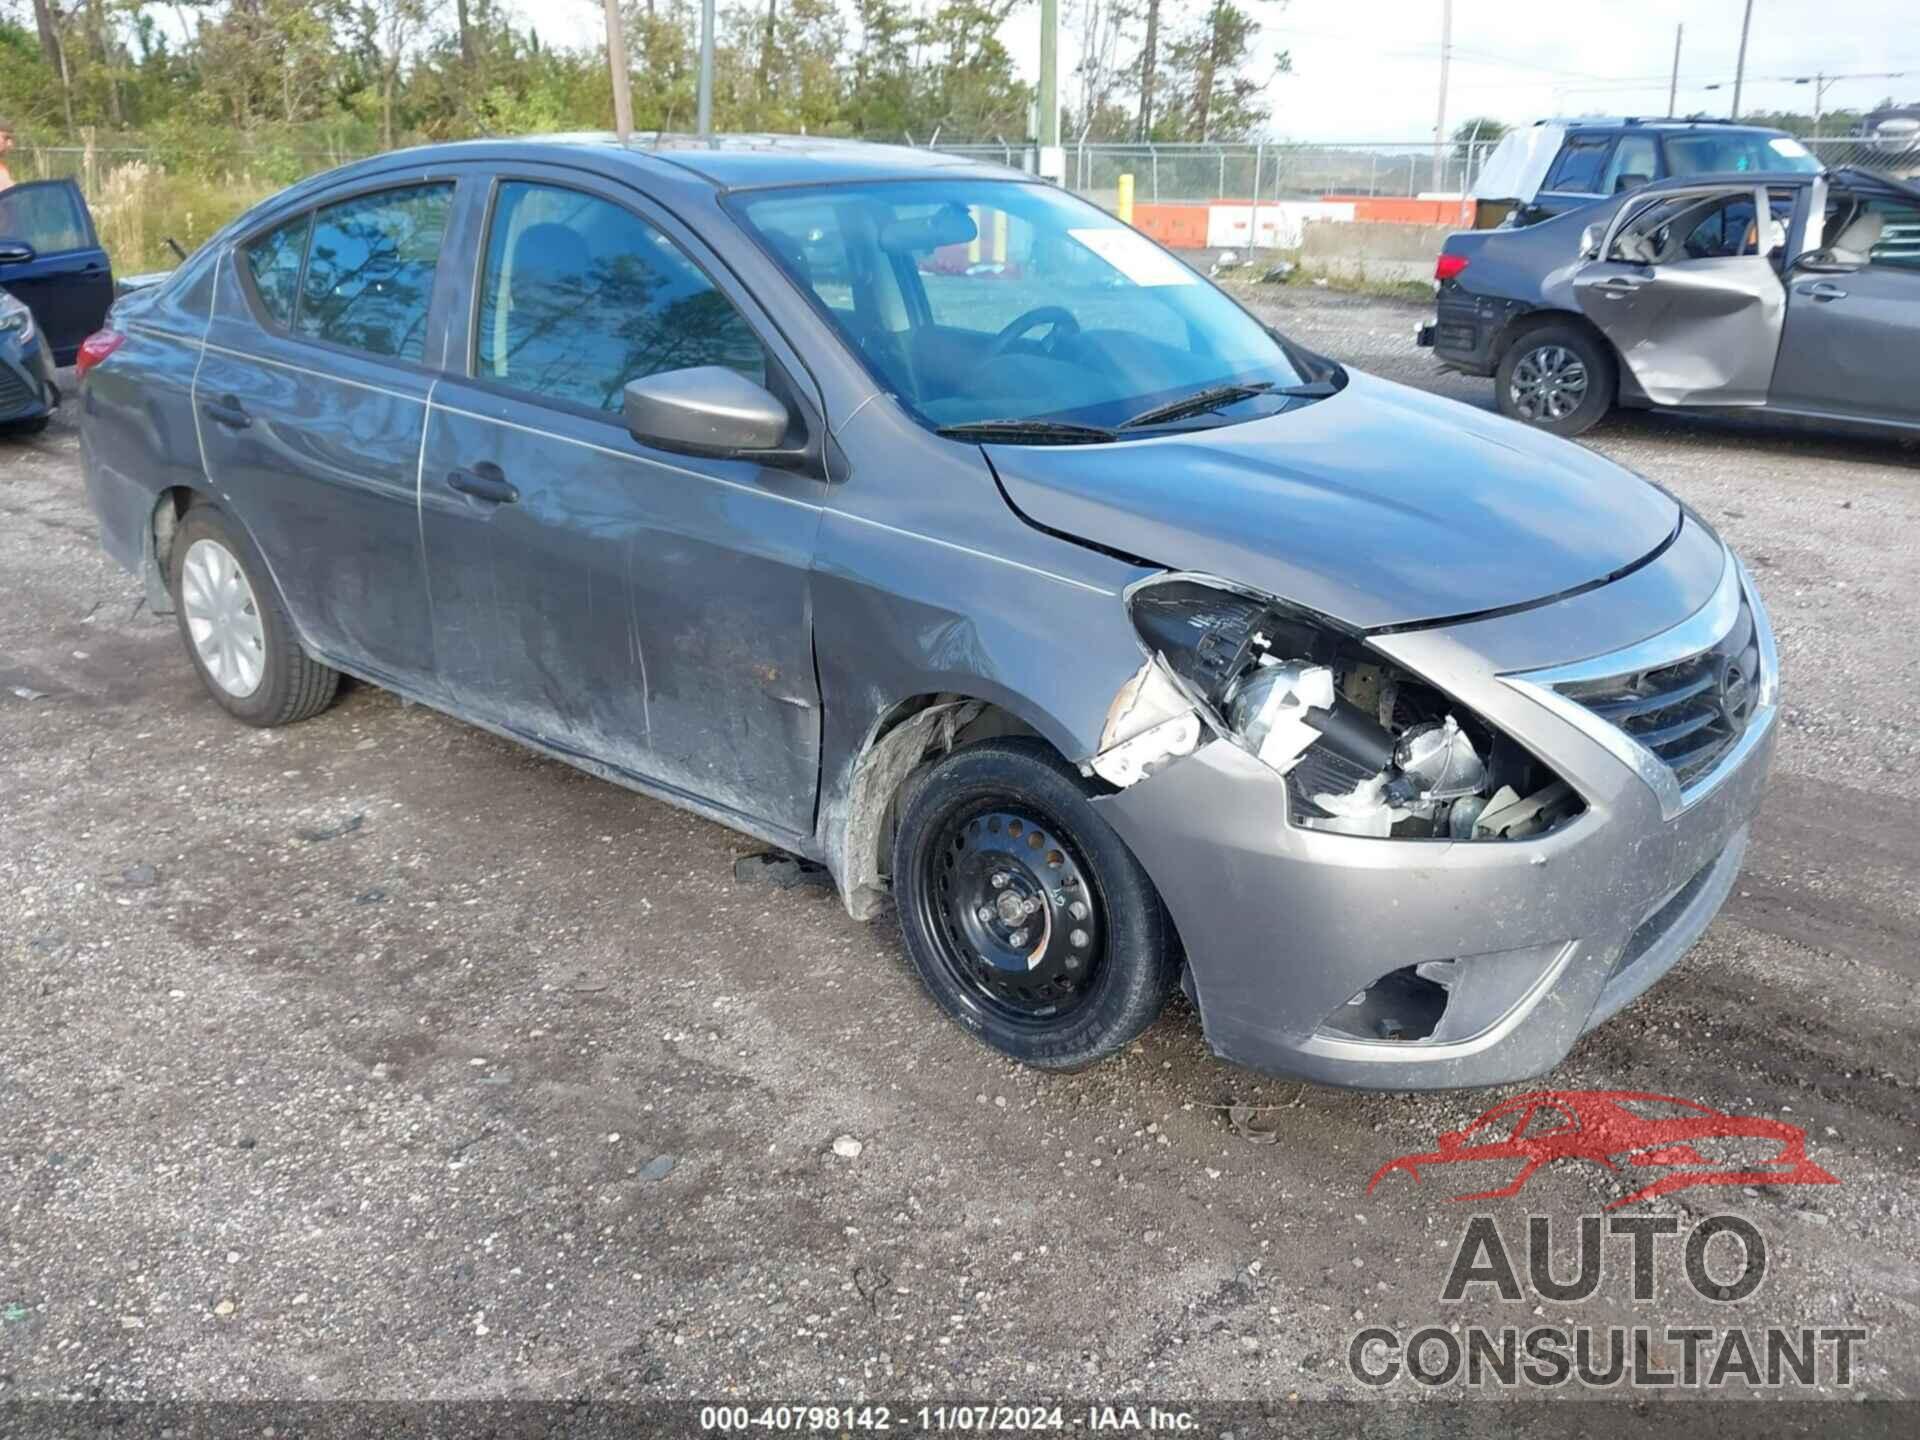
15, 252
708, 410
1590, 239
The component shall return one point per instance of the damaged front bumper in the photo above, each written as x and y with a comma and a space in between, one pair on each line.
1435, 963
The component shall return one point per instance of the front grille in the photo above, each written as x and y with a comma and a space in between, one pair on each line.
1689, 713
15, 393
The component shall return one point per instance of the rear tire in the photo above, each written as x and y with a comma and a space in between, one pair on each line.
1026, 915
236, 628
1557, 378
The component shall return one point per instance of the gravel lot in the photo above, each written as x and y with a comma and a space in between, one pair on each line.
376, 1057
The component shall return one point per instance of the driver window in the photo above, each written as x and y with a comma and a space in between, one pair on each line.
1635, 163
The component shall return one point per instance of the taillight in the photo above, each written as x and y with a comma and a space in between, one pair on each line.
1448, 267
95, 348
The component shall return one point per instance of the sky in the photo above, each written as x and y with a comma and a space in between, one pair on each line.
1370, 69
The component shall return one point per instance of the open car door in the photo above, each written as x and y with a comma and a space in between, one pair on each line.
1852, 343
51, 262
1686, 285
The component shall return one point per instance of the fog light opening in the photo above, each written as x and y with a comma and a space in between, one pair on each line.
1401, 1007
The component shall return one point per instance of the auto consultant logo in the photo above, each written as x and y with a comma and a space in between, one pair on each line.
1489, 1268
1667, 1143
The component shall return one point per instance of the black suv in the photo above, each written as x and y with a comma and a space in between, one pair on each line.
1600, 158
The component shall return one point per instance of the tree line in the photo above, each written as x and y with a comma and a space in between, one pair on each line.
378, 73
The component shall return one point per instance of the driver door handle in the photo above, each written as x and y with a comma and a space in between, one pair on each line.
1616, 286
227, 411
1824, 290
484, 482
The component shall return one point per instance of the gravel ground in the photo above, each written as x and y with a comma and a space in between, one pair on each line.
376, 1057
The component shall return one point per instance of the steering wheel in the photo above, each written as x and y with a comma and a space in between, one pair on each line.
1055, 315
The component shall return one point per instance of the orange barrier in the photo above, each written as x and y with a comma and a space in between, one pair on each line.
1178, 227
1395, 210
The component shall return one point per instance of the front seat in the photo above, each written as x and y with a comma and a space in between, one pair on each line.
1854, 245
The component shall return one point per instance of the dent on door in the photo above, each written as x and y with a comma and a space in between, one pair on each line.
1693, 331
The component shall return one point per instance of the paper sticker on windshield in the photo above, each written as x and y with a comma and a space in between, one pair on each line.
1135, 256
1784, 145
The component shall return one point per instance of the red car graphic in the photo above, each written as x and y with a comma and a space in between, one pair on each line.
1622, 1130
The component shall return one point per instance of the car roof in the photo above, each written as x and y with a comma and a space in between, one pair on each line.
729, 162
1637, 122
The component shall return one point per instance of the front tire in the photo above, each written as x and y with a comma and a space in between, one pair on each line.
1557, 378
236, 629
1027, 917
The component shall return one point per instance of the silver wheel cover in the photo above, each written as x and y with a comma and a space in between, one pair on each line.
223, 618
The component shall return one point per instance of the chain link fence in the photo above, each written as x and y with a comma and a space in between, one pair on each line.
145, 195
1284, 170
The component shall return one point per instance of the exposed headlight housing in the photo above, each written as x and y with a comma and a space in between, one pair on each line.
1367, 748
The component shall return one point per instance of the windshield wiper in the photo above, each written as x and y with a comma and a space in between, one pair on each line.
1026, 432
1311, 390
1198, 403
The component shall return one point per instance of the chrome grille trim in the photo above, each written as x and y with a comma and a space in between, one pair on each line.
1700, 632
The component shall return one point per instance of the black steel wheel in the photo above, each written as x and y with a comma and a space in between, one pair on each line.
1025, 914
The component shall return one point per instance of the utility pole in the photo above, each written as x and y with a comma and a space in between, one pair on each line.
617, 67
1440, 123
1051, 160
1740, 70
1049, 72
1673, 88
706, 67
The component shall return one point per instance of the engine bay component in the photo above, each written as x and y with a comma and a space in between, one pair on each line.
1270, 705
1367, 748
1440, 761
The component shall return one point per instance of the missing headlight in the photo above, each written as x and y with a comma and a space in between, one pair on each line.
1366, 747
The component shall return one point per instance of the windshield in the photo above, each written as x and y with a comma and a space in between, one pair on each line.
989, 300
1731, 152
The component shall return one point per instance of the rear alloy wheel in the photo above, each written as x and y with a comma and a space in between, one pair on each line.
1557, 379
1027, 917
236, 630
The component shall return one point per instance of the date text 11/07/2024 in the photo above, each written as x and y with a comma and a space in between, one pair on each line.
959, 1419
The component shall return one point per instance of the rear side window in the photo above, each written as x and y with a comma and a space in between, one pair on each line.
274, 263
579, 296
369, 274
46, 216
1579, 164
1635, 162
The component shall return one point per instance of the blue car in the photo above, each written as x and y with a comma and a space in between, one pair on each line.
55, 287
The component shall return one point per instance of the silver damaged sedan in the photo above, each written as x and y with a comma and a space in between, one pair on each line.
925, 521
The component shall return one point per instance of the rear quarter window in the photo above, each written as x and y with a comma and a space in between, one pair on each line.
273, 262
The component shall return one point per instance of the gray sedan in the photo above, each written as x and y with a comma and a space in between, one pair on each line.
1793, 293
925, 521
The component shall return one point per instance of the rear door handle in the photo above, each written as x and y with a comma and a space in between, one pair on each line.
1824, 290
227, 411
484, 482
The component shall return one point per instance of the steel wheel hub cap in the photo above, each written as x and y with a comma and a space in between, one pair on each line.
1549, 383
1019, 923
223, 618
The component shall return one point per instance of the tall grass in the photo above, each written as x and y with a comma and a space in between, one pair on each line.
138, 207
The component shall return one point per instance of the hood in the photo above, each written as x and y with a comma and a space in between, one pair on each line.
1378, 506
